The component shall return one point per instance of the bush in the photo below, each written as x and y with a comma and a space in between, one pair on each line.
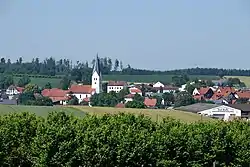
120, 140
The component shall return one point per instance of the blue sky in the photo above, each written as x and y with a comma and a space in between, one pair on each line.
151, 34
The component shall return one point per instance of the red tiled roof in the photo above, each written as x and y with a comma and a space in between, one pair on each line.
135, 90
243, 94
117, 83
120, 105
19, 89
129, 96
55, 99
54, 92
86, 89
203, 91
87, 99
224, 90
150, 102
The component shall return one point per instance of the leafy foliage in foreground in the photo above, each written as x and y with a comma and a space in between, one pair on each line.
120, 140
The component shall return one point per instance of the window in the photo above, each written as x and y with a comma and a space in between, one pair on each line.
86, 95
95, 82
80, 96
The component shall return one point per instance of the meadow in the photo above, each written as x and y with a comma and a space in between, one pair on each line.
152, 78
244, 79
39, 110
42, 81
154, 114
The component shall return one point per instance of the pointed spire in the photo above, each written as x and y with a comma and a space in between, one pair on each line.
96, 67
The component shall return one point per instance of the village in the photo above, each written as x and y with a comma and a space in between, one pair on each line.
219, 101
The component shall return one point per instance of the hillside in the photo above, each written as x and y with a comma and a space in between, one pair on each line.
156, 115
152, 78
244, 79
38, 110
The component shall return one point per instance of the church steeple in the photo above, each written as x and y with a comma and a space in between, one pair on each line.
96, 67
97, 76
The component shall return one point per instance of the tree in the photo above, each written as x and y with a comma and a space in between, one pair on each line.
23, 81
138, 98
73, 100
135, 104
183, 99
168, 98
65, 83
48, 85
6, 81
190, 88
116, 65
32, 88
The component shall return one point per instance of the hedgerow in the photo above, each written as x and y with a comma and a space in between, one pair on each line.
120, 140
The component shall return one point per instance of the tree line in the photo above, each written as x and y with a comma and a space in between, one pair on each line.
120, 140
52, 67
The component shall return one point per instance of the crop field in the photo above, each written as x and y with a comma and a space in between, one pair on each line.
39, 110
244, 79
42, 81
152, 78
154, 114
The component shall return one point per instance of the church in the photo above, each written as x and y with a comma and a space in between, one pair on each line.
97, 76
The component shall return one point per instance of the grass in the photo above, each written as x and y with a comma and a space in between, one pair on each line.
154, 114
152, 78
244, 79
42, 81
38, 110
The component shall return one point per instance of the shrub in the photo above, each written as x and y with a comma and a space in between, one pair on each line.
120, 140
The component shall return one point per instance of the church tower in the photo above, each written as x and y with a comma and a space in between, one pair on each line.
97, 76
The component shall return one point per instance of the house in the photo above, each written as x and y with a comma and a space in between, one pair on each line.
116, 86
158, 84
82, 92
203, 93
166, 89
14, 90
58, 96
245, 109
212, 110
120, 105
129, 97
96, 76
135, 90
150, 103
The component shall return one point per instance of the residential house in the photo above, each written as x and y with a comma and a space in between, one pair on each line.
203, 93
129, 97
58, 96
14, 90
82, 92
150, 102
158, 84
135, 90
116, 86
212, 110
245, 109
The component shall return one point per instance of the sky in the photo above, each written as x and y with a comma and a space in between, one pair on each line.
148, 34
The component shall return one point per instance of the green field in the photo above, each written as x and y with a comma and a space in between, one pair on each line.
42, 81
38, 110
154, 114
152, 78
244, 79
129, 78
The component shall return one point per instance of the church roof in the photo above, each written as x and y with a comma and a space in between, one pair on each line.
96, 67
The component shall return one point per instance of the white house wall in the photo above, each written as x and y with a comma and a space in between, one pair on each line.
114, 88
158, 84
226, 110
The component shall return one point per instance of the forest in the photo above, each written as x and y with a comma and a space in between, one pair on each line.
52, 67
120, 140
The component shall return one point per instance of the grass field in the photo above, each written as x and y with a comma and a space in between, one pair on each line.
38, 110
244, 79
155, 115
151, 78
42, 81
